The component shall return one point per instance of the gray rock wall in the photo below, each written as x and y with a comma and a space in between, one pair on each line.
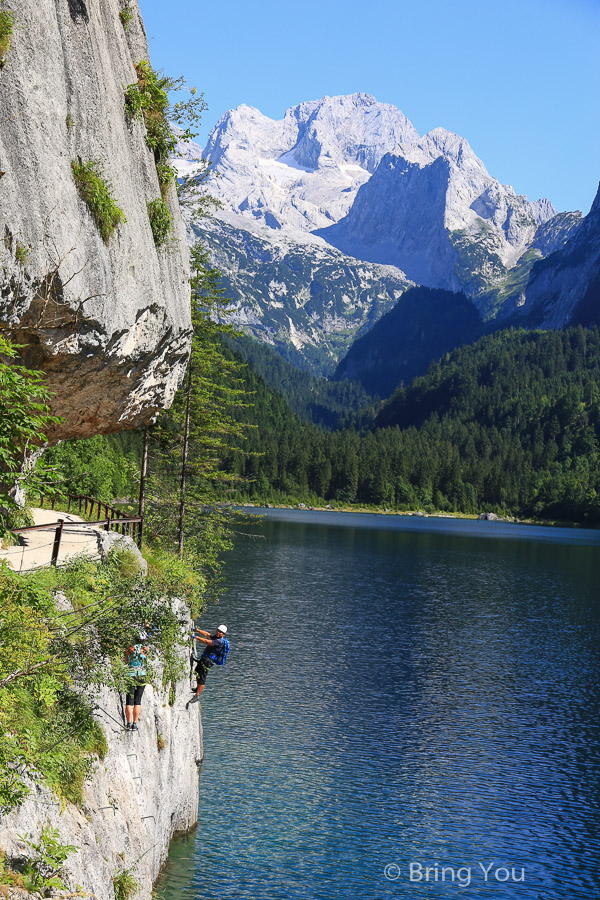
109, 324
154, 792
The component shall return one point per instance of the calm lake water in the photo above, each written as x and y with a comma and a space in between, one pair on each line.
401, 694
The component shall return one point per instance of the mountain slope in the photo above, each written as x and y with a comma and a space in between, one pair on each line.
318, 400
564, 287
446, 223
307, 301
423, 325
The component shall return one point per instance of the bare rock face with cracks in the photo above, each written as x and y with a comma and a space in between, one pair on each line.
107, 320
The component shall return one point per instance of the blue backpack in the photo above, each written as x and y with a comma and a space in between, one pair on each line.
219, 656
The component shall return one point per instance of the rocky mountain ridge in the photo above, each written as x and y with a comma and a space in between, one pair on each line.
351, 174
305, 300
564, 287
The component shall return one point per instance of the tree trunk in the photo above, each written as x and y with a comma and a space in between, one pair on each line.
184, 456
142, 503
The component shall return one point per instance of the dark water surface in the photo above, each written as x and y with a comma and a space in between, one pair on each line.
424, 693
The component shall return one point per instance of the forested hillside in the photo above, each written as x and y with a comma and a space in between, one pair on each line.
318, 400
510, 424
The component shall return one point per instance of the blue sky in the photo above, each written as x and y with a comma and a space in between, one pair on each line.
519, 78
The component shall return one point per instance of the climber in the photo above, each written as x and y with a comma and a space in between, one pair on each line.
135, 657
215, 653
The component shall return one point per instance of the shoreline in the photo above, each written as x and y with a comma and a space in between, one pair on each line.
420, 514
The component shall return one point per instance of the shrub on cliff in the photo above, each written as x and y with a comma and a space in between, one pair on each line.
96, 193
161, 221
126, 15
148, 100
6, 30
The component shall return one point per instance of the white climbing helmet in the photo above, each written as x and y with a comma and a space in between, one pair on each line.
222, 628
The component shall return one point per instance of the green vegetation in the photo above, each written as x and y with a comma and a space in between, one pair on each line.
424, 324
24, 414
188, 484
96, 193
326, 403
43, 869
148, 100
510, 425
7, 21
69, 122
105, 467
53, 658
21, 253
53, 661
126, 15
161, 221
126, 886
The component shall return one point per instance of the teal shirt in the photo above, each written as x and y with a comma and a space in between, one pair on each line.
137, 661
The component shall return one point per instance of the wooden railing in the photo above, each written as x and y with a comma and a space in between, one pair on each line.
113, 519
131, 525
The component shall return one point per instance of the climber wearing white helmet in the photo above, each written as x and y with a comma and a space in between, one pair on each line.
215, 654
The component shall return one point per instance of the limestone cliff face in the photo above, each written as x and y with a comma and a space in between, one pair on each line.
150, 793
109, 324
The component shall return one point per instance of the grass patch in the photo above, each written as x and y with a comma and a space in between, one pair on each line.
21, 253
126, 15
19, 518
53, 730
126, 886
161, 221
96, 193
69, 121
7, 21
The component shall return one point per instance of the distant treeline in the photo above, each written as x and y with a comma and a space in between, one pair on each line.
327, 403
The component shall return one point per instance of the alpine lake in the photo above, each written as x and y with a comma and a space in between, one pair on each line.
410, 709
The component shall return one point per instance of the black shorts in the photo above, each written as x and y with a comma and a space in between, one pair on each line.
202, 669
135, 691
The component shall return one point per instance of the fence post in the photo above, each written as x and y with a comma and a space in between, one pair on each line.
80, 499
57, 539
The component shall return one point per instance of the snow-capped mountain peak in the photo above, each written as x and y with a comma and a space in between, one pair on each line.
351, 173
